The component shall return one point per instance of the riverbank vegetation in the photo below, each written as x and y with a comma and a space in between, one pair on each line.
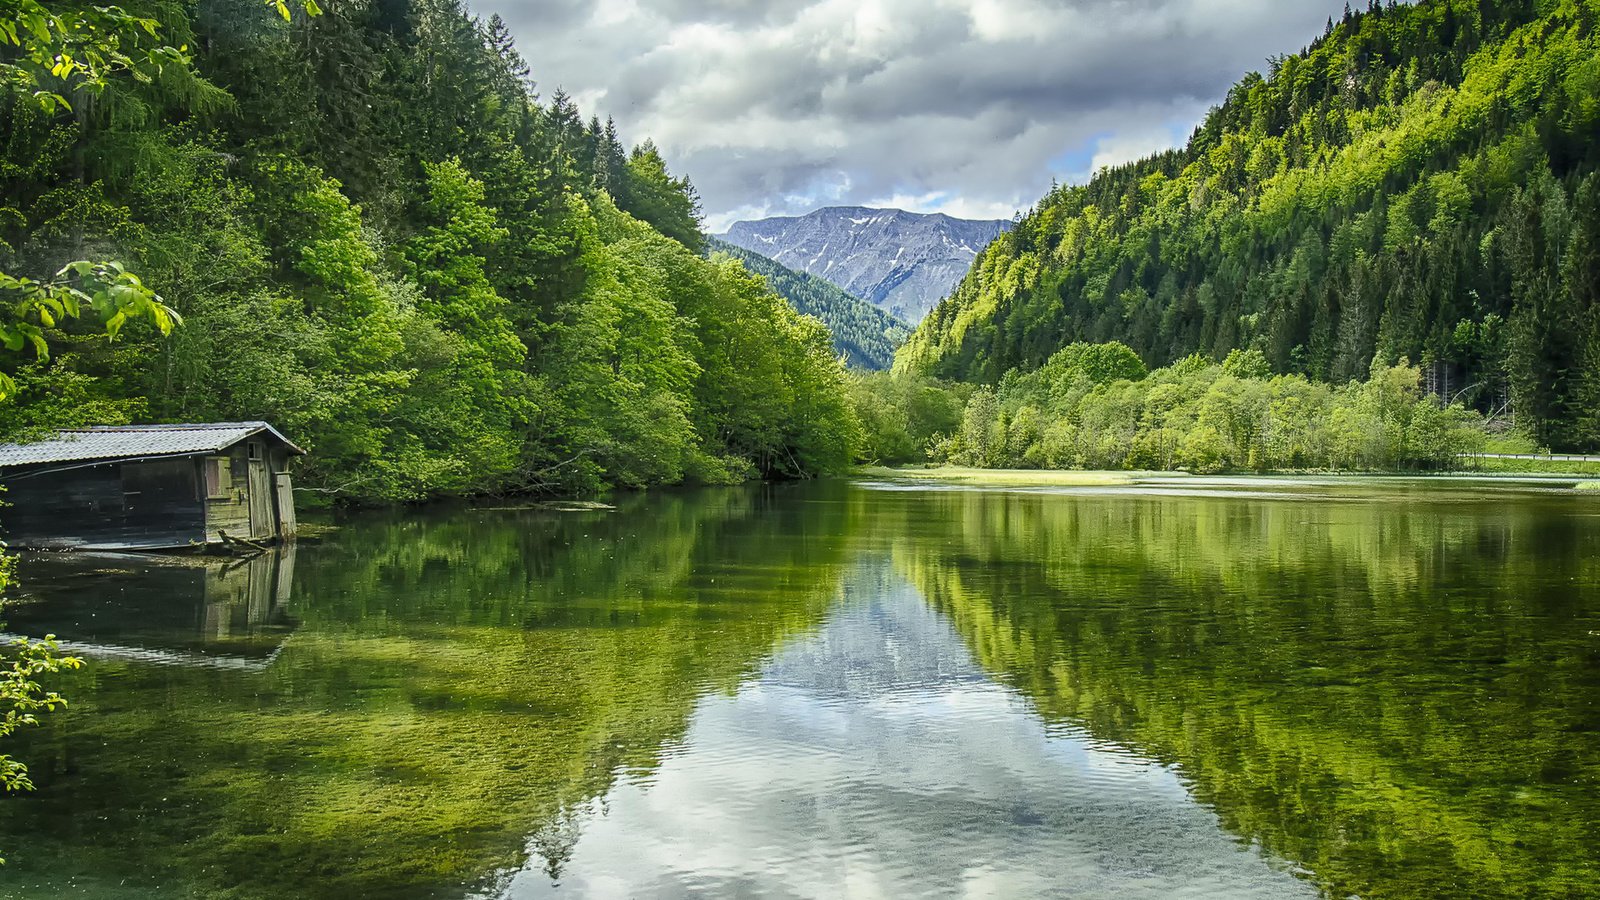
966, 475
381, 238
1419, 184
1533, 466
1094, 406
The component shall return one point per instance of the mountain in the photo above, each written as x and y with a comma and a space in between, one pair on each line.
1420, 183
865, 335
898, 261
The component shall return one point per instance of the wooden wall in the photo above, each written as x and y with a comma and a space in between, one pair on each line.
138, 505
230, 510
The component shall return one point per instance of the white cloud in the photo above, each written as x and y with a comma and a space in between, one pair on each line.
966, 106
1132, 144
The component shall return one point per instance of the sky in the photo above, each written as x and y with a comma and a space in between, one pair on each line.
967, 107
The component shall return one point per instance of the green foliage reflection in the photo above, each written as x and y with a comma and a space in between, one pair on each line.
455, 683
1395, 694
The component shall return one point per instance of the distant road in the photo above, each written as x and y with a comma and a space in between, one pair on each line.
1553, 457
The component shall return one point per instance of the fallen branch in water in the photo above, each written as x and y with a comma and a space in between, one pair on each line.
231, 540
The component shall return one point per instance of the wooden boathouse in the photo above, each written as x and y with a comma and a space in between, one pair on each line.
148, 487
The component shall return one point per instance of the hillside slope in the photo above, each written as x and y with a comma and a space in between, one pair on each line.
900, 262
863, 334
382, 241
1419, 183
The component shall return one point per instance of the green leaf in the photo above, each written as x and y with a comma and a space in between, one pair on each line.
36, 338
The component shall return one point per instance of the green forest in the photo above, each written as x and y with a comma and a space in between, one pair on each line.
1095, 406
865, 336
368, 225
1417, 189
378, 235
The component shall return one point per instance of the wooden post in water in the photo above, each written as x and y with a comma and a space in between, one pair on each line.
285, 494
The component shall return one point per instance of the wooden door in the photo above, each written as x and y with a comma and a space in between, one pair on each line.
159, 506
262, 516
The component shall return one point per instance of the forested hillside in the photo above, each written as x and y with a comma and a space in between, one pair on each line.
864, 335
1419, 184
383, 240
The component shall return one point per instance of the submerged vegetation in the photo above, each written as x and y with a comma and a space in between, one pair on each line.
1388, 684
1392, 696
457, 687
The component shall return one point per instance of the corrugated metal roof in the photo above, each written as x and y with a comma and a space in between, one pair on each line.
123, 441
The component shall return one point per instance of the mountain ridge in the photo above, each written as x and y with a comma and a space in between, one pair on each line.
899, 261
863, 334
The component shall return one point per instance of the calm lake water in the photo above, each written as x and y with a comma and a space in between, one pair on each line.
1234, 689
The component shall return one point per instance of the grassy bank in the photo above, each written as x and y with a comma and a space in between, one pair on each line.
965, 475
1490, 466
1009, 477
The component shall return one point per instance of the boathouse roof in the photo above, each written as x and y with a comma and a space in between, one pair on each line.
135, 441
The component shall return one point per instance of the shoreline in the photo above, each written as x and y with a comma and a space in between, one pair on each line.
1101, 478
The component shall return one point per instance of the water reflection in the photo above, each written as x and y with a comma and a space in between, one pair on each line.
876, 759
165, 610
1401, 696
1382, 690
456, 680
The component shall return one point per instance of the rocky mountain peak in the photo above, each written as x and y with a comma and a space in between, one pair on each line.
902, 262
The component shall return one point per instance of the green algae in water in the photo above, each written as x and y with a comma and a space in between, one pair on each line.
1388, 688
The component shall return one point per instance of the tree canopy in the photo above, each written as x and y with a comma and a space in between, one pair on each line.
380, 237
1419, 183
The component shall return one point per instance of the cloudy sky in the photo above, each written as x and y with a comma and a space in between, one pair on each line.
969, 107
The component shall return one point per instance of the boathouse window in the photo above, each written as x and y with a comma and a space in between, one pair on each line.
219, 477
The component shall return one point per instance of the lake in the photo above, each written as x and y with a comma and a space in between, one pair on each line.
1185, 688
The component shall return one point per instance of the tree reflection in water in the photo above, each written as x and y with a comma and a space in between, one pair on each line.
1391, 688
